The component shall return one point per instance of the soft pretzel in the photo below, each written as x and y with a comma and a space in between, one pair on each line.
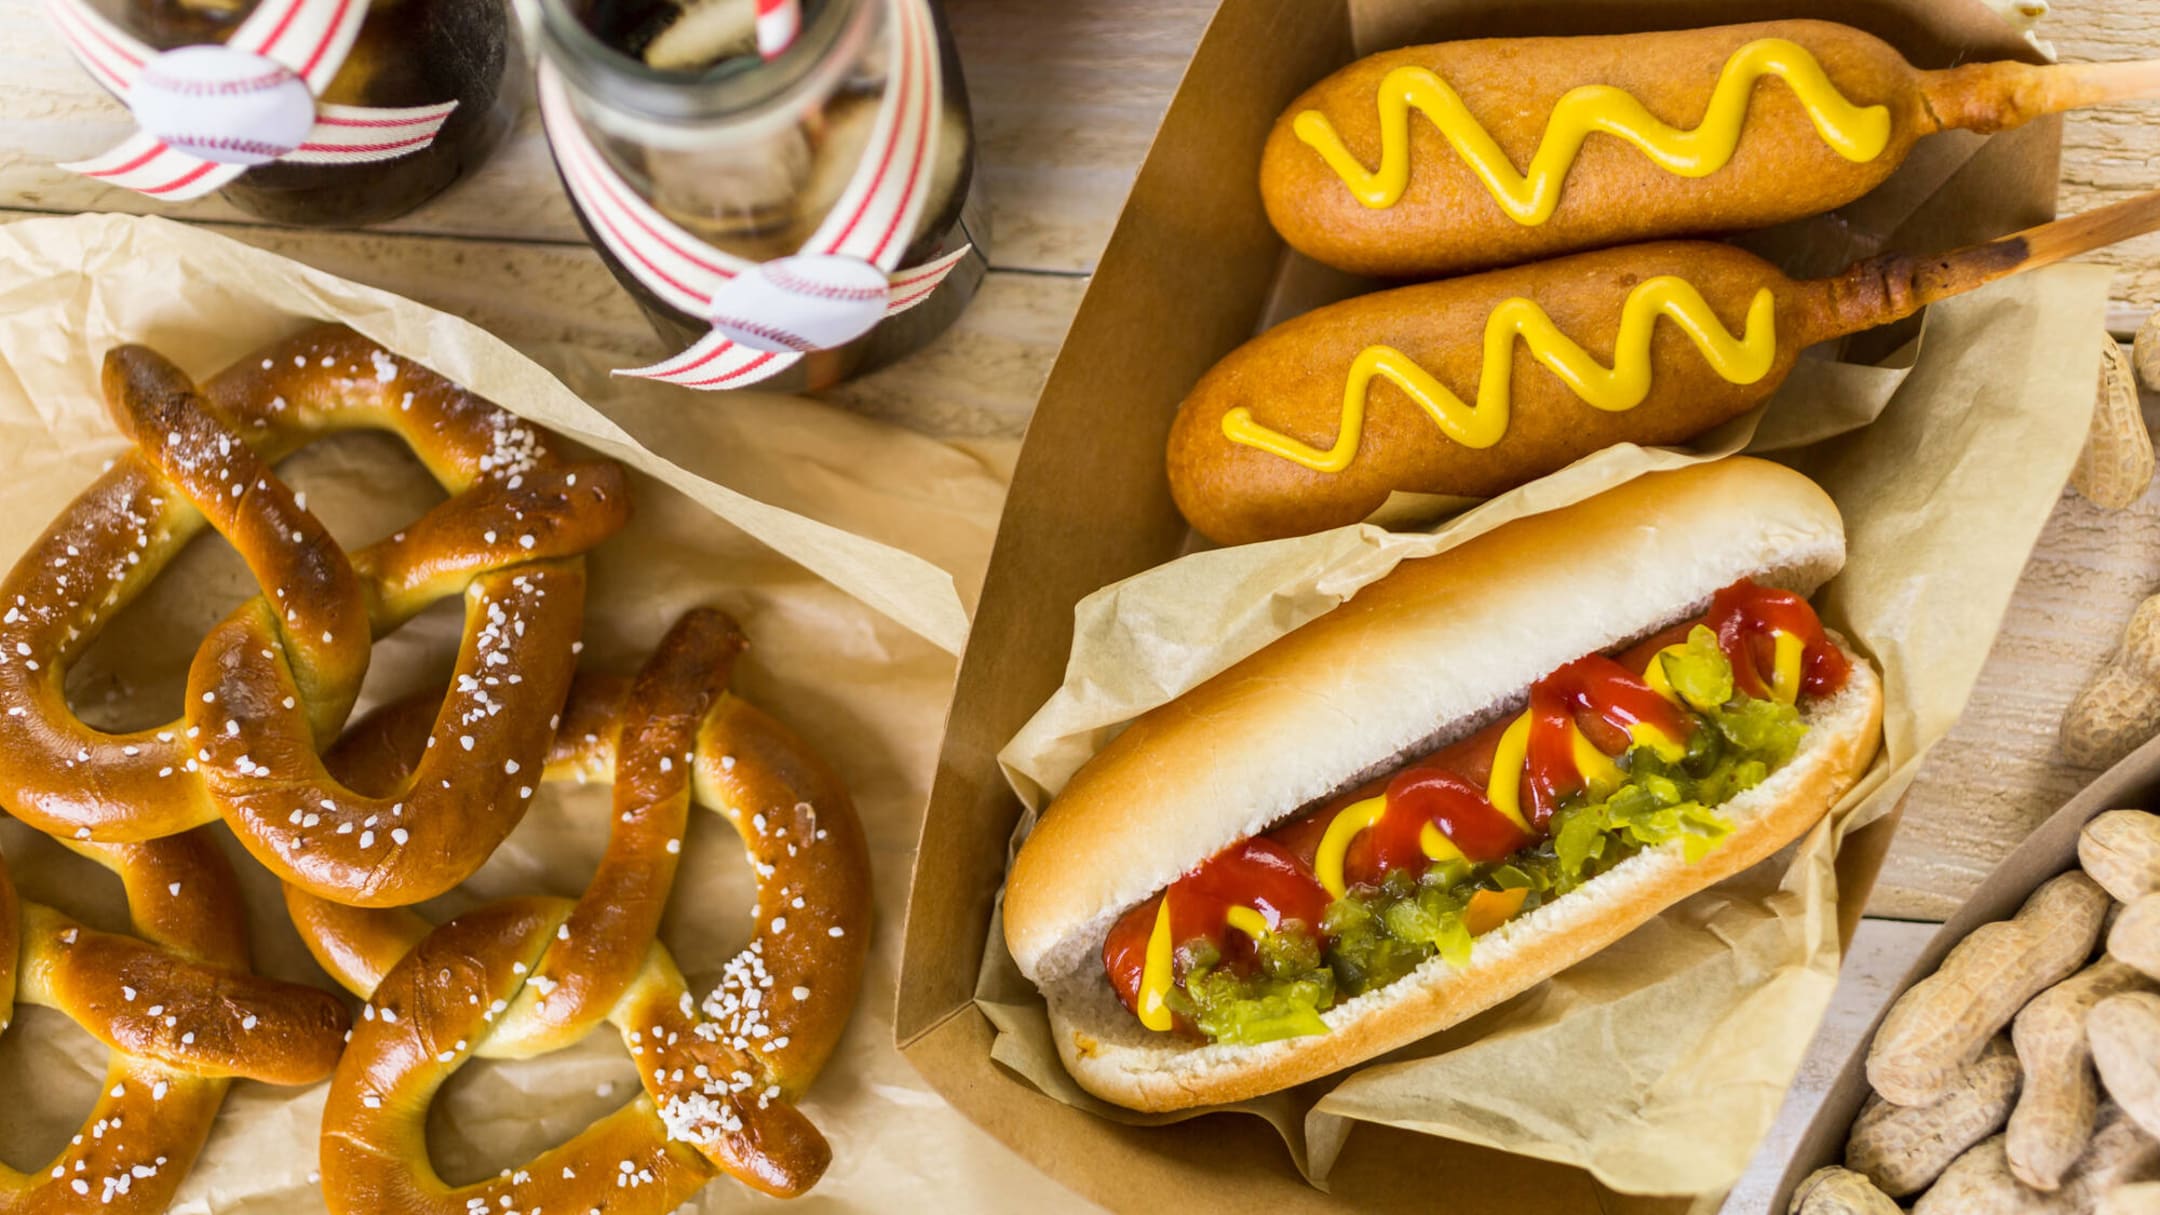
524, 976
273, 682
179, 1010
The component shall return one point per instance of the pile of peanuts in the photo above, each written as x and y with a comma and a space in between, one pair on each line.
2120, 708
2060, 1115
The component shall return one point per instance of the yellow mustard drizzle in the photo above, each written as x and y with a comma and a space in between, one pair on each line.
1504, 787
1598, 770
1503, 790
1335, 841
1743, 359
1247, 921
1512, 755
1857, 133
1785, 667
1436, 846
1155, 975
1666, 747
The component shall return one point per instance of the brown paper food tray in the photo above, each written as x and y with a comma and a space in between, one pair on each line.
2049, 850
1192, 270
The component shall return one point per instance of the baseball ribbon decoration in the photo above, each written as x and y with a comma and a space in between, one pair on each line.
778, 21
210, 112
766, 316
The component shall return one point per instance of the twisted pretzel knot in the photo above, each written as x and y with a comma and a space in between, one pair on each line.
273, 683
179, 1010
523, 976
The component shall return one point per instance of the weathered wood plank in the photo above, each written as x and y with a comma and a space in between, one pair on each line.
2000, 771
2113, 152
1067, 98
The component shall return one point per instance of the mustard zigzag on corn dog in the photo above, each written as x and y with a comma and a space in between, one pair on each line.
1272, 443
1857, 133
1741, 359
1564, 144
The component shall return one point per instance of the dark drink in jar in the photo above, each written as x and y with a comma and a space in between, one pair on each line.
409, 53
750, 154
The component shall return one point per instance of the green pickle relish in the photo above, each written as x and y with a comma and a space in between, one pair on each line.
1374, 935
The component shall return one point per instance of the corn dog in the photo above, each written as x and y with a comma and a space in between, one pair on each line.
1315, 422
1462, 155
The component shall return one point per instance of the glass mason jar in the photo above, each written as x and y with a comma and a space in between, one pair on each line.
749, 155
409, 53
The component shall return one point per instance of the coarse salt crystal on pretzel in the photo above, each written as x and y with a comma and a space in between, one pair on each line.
523, 976
179, 1011
273, 683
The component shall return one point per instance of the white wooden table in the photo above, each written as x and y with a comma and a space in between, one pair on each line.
1067, 98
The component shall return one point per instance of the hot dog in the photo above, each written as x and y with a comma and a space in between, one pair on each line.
1479, 770
1474, 385
1438, 159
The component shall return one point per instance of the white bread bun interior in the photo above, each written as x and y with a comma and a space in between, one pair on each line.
1438, 648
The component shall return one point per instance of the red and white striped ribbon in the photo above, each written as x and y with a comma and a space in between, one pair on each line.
308, 38
778, 21
872, 221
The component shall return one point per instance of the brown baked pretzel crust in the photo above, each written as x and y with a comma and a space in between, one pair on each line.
179, 1010
524, 976
273, 683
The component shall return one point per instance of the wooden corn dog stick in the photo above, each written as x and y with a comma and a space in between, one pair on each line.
1438, 159
1472, 386
1892, 286
1990, 97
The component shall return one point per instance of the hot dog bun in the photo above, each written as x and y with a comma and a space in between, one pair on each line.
1436, 649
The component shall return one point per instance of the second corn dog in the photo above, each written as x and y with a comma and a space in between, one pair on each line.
1437, 159
1474, 385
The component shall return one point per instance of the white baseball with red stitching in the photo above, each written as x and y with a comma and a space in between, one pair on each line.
811, 301
223, 104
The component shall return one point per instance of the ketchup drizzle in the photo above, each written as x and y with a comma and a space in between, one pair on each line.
1273, 874
1430, 793
1258, 873
1599, 687
1744, 615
